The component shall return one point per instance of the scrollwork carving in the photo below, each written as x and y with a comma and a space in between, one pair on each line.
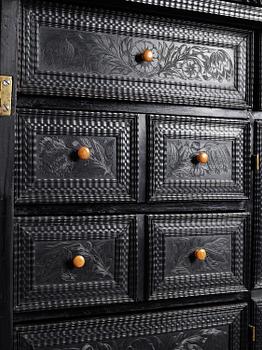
59, 255
56, 157
117, 55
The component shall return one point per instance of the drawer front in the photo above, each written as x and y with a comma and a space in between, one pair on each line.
197, 254
206, 329
197, 158
50, 167
99, 53
74, 261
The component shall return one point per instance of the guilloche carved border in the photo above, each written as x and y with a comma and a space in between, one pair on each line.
248, 10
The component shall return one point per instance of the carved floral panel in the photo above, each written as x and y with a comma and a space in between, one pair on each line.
181, 162
57, 157
180, 259
52, 261
104, 54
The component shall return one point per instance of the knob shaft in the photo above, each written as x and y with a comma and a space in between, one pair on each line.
148, 56
84, 153
202, 157
78, 261
201, 254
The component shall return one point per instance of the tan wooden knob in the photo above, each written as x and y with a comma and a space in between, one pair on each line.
79, 261
148, 56
201, 254
84, 153
202, 157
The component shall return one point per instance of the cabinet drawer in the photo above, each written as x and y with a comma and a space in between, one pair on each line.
50, 167
198, 158
197, 254
78, 51
209, 328
74, 261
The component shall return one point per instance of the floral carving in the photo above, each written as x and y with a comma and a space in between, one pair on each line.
117, 55
61, 254
57, 156
180, 255
181, 159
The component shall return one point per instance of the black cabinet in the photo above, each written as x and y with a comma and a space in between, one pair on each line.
130, 177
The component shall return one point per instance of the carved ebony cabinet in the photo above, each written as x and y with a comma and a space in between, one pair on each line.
130, 175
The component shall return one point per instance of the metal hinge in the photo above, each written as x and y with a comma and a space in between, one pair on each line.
5, 95
252, 333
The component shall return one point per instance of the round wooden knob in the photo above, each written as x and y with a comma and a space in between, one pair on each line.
84, 153
79, 261
202, 157
201, 254
148, 56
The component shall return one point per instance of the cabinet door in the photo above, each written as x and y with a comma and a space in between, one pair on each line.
210, 328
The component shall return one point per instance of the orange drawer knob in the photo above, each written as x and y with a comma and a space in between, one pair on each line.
201, 254
148, 56
84, 153
79, 261
202, 157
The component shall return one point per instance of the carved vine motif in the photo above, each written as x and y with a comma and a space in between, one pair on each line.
59, 255
213, 338
181, 250
180, 159
56, 156
117, 55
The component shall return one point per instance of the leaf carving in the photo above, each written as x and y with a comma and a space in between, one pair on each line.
181, 155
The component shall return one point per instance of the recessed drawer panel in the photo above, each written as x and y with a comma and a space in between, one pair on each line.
64, 156
74, 261
100, 53
198, 158
209, 328
197, 254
